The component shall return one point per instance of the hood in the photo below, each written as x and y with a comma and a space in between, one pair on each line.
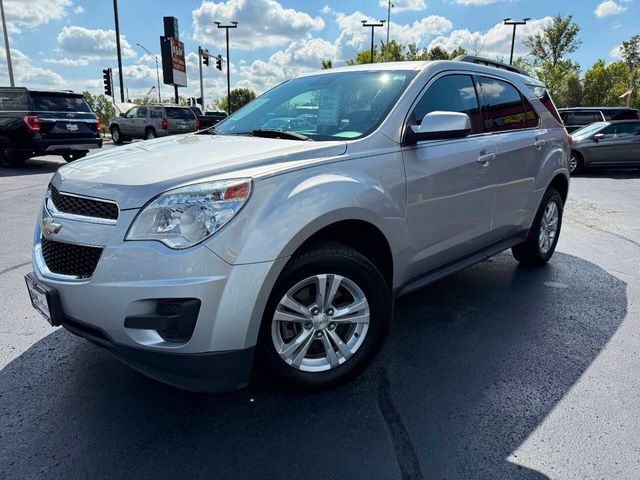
133, 174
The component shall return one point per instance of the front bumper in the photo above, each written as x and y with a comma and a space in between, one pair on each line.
132, 278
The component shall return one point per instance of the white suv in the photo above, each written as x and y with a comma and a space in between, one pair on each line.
187, 255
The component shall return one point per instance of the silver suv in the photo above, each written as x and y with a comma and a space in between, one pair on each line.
152, 121
195, 257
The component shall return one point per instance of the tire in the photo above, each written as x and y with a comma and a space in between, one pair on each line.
70, 157
9, 156
535, 251
116, 135
361, 341
150, 134
576, 163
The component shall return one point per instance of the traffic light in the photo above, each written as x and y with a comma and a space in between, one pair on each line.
205, 58
199, 101
219, 62
106, 75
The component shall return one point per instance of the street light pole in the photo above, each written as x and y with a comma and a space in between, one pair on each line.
386, 50
508, 21
6, 45
227, 27
157, 69
373, 25
115, 15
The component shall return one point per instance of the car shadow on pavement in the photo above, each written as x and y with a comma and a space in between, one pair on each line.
623, 174
33, 167
474, 363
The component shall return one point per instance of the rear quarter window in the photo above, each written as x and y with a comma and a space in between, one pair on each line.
13, 101
59, 103
180, 114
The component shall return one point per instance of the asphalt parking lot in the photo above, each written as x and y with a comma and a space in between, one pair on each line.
497, 372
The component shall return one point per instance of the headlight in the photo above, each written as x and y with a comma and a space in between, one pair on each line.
185, 216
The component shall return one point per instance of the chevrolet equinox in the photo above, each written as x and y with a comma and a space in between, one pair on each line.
194, 257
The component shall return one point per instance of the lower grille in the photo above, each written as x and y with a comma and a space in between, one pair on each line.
68, 259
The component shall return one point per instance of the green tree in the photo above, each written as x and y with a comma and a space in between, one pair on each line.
239, 97
327, 64
631, 55
556, 41
603, 84
102, 107
438, 53
549, 51
457, 52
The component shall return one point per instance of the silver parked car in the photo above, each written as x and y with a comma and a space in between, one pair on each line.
151, 121
606, 145
291, 246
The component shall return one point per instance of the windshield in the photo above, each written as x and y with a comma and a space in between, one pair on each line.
332, 106
587, 131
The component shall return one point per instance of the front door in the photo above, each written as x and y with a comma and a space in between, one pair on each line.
128, 122
620, 145
450, 183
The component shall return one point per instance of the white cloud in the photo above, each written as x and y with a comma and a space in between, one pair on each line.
263, 23
354, 36
616, 52
78, 9
71, 62
28, 75
27, 13
92, 44
495, 42
326, 10
404, 5
475, 2
608, 7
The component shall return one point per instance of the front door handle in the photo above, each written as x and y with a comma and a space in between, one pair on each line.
485, 158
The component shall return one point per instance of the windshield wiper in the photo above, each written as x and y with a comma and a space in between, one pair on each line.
279, 134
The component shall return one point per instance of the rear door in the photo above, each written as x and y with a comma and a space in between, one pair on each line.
520, 149
180, 120
450, 183
64, 116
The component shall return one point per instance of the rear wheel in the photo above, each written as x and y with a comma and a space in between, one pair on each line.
70, 157
9, 156
576, 163
326, 318
543, 237
116, 136
150, 134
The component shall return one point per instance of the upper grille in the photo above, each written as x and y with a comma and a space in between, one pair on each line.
83, 206
68, 259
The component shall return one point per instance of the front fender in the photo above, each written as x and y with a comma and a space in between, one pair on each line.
285, 210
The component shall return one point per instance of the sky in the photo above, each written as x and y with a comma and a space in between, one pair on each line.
66, 43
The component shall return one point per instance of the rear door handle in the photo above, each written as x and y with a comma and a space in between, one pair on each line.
539, 144
485, 158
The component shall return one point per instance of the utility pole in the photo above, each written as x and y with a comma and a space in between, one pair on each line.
6, 45
227, 27
200, 53
366, 23
157, 69
115, 14
386, 50
508, 21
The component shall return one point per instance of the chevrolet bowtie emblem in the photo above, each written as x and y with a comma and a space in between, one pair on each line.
49, 227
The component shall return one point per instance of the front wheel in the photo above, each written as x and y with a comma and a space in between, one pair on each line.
116, 135
543, 237
326, 318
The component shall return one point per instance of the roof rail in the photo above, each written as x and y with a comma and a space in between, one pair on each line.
490, 63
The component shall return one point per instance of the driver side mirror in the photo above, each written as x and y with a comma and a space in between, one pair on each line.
123, 114
439, 126
598, 136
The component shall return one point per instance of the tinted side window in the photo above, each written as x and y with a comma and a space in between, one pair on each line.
453, 93
155, 112
180, 114
142, 112
503, 106
622, 129
530, 116
13, 101
132, 113
585, 118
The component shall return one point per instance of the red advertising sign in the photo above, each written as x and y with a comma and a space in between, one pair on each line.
177, 55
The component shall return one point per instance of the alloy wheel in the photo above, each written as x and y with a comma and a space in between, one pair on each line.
548, 227
320, 323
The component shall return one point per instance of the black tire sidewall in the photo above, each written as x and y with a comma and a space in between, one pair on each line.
550, 195
8, 154
344, 261
119, 135
147, 132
